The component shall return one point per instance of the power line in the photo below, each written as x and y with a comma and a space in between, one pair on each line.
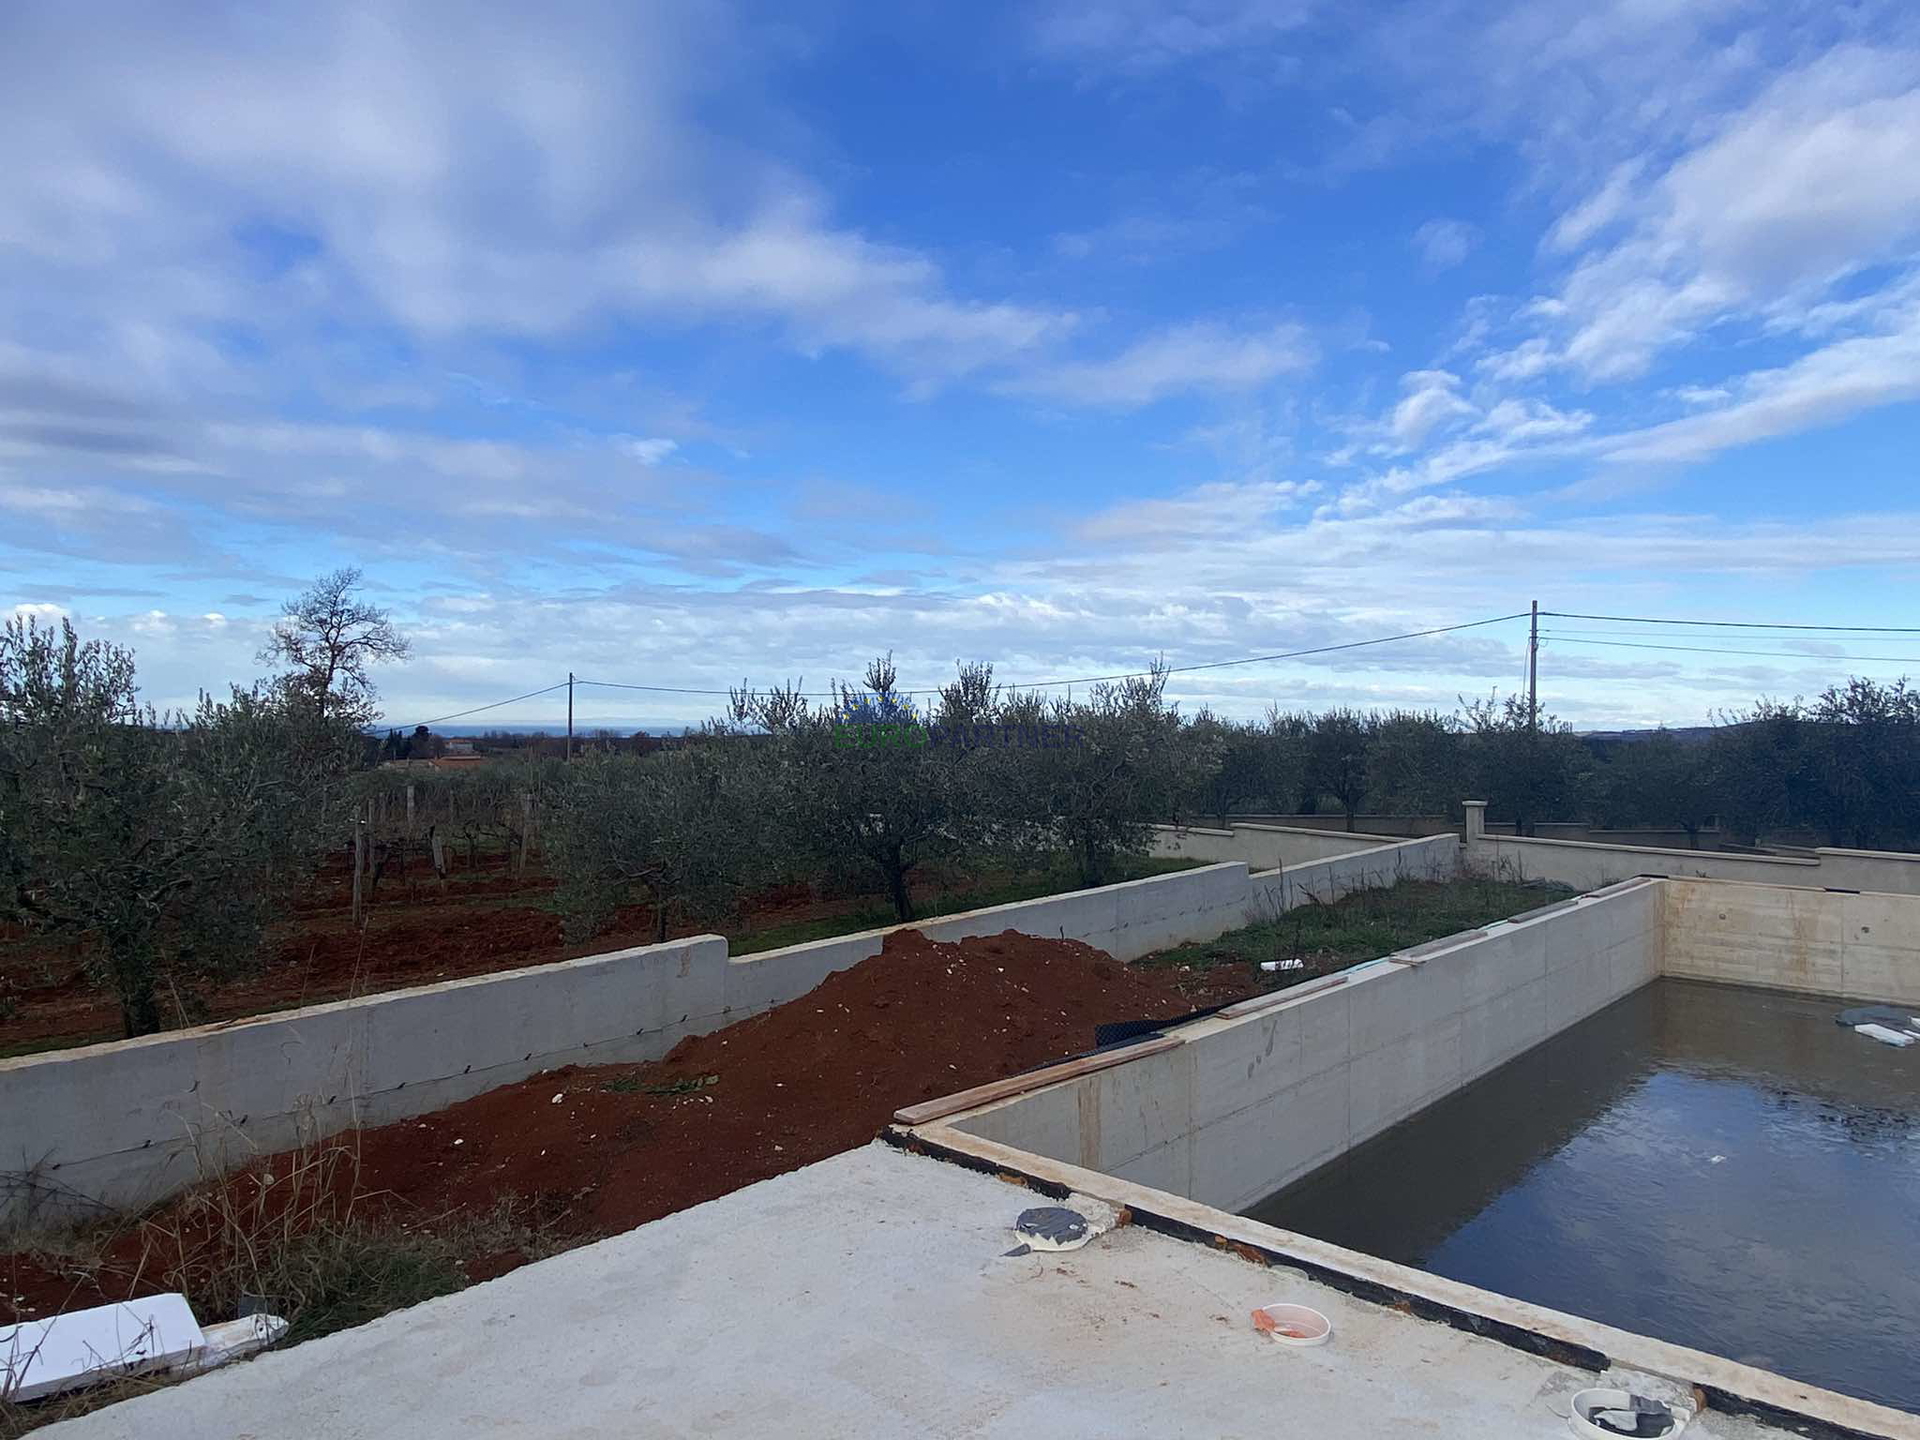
1711, 650
462, 714
1739, 624
1126, 675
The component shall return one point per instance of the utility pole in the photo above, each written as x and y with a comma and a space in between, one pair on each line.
1533, 671
570, 709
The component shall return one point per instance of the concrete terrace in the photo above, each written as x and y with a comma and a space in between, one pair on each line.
869, 1295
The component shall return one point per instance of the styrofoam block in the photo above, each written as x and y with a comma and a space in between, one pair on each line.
47, 1357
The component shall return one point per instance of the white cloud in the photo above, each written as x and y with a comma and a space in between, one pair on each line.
1432, 399
1442, 244
1820, 388
1599, 210
647, 452
1179, 360
1516, 421
1809, 184
460, 170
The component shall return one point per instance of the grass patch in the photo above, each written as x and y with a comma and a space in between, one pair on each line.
634, 1085
1057, 878
1362, 926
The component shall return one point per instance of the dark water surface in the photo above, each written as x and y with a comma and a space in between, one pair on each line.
1721, 1167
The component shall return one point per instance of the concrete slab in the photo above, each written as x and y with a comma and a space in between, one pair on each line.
868, 1295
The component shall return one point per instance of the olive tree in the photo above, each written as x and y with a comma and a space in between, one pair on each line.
1235, 764
1104, 770
1414, 765
864, 784
1658, 780
1337, 757
680, 827
162, 843
1528, 764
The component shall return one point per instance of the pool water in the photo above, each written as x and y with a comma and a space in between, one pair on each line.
1720, 1167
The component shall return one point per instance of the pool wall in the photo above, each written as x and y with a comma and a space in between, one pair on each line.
1821, 942
1272, 1088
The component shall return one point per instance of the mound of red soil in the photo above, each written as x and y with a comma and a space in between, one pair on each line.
818, 1075
600, 1150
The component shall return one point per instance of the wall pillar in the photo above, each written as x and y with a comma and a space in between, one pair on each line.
1476, 820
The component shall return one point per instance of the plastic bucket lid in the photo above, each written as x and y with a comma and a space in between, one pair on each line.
1288, 1324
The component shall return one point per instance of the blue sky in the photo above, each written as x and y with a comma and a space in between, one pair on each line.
683, 344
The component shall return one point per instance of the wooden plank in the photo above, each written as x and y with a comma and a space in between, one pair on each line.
1281, 997
1032, 1080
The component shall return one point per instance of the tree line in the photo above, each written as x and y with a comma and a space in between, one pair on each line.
163, 844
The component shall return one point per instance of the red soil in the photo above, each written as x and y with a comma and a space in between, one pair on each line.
596, 1151
485, 921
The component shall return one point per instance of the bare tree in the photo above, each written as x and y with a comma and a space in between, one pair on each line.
325, 640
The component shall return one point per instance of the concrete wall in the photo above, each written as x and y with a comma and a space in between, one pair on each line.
1585, 866
1264, 847
1832, 942
1246, 1105
1323, 881
1665, 836
125, 1123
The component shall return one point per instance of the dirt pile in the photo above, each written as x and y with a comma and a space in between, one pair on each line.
612, 1147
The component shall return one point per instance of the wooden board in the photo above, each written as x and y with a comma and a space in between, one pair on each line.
1280, 997
1033, 1080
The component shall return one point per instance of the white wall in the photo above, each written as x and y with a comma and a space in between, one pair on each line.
1437, 857
1264, 847
1831, 942
1248, 1104
1585, 865
127, 1122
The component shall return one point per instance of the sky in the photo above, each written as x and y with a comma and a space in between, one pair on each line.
684, 345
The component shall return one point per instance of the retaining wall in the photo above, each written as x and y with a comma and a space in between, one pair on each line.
1830, 942
125, 1123
1247, 1104
1322, 881
1585, 865
1670, 837
1264, 847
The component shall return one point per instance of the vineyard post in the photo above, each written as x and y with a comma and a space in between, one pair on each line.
359, 855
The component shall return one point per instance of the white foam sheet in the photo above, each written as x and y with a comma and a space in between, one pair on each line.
45, 1357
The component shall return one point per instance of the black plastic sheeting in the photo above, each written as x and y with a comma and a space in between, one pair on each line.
1122, 1032
1877, 1015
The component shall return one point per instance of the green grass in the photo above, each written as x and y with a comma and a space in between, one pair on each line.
1056, 879
1365, 925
